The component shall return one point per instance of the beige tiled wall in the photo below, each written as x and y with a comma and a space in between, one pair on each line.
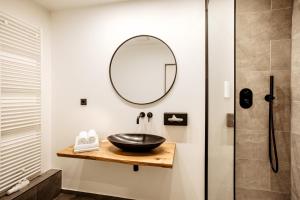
295, 88
263, 48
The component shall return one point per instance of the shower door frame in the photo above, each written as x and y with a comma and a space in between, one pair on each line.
207, 103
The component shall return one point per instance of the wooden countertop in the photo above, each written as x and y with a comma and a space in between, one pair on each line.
163, 156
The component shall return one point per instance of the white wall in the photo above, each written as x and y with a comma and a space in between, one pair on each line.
83, 43
221, 68
33, 14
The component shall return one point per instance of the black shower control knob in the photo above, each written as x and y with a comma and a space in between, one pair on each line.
246, 98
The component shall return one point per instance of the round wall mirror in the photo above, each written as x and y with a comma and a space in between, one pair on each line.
143, 69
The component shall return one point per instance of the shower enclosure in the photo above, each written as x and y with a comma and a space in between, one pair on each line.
259, 157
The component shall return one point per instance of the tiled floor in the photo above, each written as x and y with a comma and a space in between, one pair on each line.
63, 196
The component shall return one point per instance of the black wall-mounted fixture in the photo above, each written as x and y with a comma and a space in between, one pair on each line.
272, 139
83, 102
141, 115
176, 119
246, 98
136, 168
149, 115
230, 120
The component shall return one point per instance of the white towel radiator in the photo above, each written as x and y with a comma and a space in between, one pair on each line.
20, 101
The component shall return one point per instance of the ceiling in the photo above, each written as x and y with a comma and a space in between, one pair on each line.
54, 5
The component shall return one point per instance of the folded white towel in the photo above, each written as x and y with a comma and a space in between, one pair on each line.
92, 136
83, 138
86, 147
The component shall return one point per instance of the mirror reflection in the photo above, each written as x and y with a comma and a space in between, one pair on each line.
143, 69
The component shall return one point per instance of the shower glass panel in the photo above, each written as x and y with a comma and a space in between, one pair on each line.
221, 100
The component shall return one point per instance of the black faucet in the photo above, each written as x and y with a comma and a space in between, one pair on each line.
141, 115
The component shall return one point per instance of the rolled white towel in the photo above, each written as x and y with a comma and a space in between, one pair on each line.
83, 138
92, 136
86, 147
21, 184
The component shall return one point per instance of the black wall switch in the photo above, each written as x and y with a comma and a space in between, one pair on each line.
83, 102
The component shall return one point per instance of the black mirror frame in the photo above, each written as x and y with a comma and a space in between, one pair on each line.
110, 66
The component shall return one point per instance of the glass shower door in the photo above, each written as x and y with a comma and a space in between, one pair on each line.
221, 100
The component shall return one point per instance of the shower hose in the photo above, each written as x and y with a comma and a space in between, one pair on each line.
272, 140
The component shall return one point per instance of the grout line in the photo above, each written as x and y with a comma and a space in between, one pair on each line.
296, 101
262, 190
270, 62
281, 39
276, 9
241, 129
281, 69
272, 4
260, 130
263, 11
295, 133
260, 160
252, 70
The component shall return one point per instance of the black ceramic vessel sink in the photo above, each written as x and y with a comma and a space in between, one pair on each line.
136, 142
